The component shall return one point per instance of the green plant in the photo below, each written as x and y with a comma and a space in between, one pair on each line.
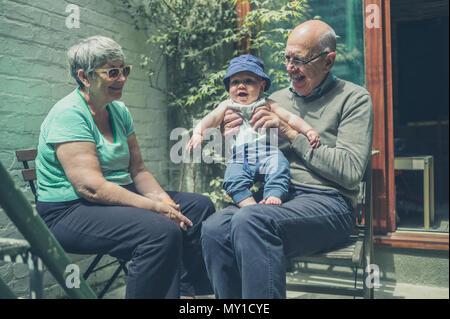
196, 39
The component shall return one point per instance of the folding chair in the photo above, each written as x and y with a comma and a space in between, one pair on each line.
19, 251
29, 175
357, 253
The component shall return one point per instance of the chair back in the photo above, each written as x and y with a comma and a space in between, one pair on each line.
28, 174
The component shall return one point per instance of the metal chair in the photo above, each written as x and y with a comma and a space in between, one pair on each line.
19, 251
357, 253
29, 175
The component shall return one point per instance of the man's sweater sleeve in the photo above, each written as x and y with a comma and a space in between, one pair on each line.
343, 164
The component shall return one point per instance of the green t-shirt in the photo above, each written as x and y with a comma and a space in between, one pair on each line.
71, 120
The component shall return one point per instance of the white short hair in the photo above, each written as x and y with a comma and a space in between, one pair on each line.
327, 41
90, 53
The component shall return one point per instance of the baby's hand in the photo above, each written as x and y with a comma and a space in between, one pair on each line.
313, 137
195, 142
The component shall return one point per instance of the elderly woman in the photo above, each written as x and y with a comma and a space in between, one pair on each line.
95, 193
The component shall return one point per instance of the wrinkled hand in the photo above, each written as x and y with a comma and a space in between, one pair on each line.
313, 137
172, 211
265, 118
230, 123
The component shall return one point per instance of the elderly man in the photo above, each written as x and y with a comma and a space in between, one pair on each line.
245, 248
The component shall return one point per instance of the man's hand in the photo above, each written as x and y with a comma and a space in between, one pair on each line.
231, 122
265, 119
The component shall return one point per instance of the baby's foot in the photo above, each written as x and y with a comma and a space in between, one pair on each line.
272, 200
247, 202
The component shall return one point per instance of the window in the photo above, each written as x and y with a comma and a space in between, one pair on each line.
421, 101
383, 68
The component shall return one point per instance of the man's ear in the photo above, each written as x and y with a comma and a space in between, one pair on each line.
83, 77
330, 59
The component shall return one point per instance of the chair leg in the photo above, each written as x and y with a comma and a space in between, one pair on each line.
124, 265
111, 280
356, 278
35, 266
92, 266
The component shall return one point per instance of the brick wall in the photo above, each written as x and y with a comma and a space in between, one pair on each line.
34, 38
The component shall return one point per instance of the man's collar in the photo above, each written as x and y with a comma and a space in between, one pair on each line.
318, 91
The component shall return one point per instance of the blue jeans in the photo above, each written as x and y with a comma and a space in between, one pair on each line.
251, 161
245, 249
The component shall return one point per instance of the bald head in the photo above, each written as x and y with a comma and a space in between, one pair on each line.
314, 35
313, 42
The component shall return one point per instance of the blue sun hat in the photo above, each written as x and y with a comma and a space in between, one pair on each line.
246, 62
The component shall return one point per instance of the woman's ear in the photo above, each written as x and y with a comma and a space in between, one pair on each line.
83, 77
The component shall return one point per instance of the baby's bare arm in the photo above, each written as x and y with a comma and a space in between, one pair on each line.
296, 122
213, 119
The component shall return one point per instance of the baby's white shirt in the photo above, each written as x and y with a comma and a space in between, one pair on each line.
246, 132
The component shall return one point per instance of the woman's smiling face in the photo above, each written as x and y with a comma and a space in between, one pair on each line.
104, 88
245, 87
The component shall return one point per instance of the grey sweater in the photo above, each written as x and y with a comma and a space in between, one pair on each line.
343, 117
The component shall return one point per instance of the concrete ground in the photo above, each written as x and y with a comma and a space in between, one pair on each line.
386, 291
404, 274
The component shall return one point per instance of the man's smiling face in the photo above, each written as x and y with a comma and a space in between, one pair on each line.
303, 44
306, 77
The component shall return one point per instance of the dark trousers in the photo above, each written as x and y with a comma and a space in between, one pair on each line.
165, 260
245, 248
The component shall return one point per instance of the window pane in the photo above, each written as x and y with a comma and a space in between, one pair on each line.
346, 18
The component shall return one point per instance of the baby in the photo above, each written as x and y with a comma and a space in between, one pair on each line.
251, 156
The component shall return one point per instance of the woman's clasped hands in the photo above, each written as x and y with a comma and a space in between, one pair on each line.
169, 209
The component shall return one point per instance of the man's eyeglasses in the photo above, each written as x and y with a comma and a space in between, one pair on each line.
114, 73
298, 63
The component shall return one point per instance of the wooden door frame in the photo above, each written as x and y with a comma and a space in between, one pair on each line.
242, 8
378, 64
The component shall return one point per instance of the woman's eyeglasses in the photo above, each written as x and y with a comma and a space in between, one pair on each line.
114, 73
